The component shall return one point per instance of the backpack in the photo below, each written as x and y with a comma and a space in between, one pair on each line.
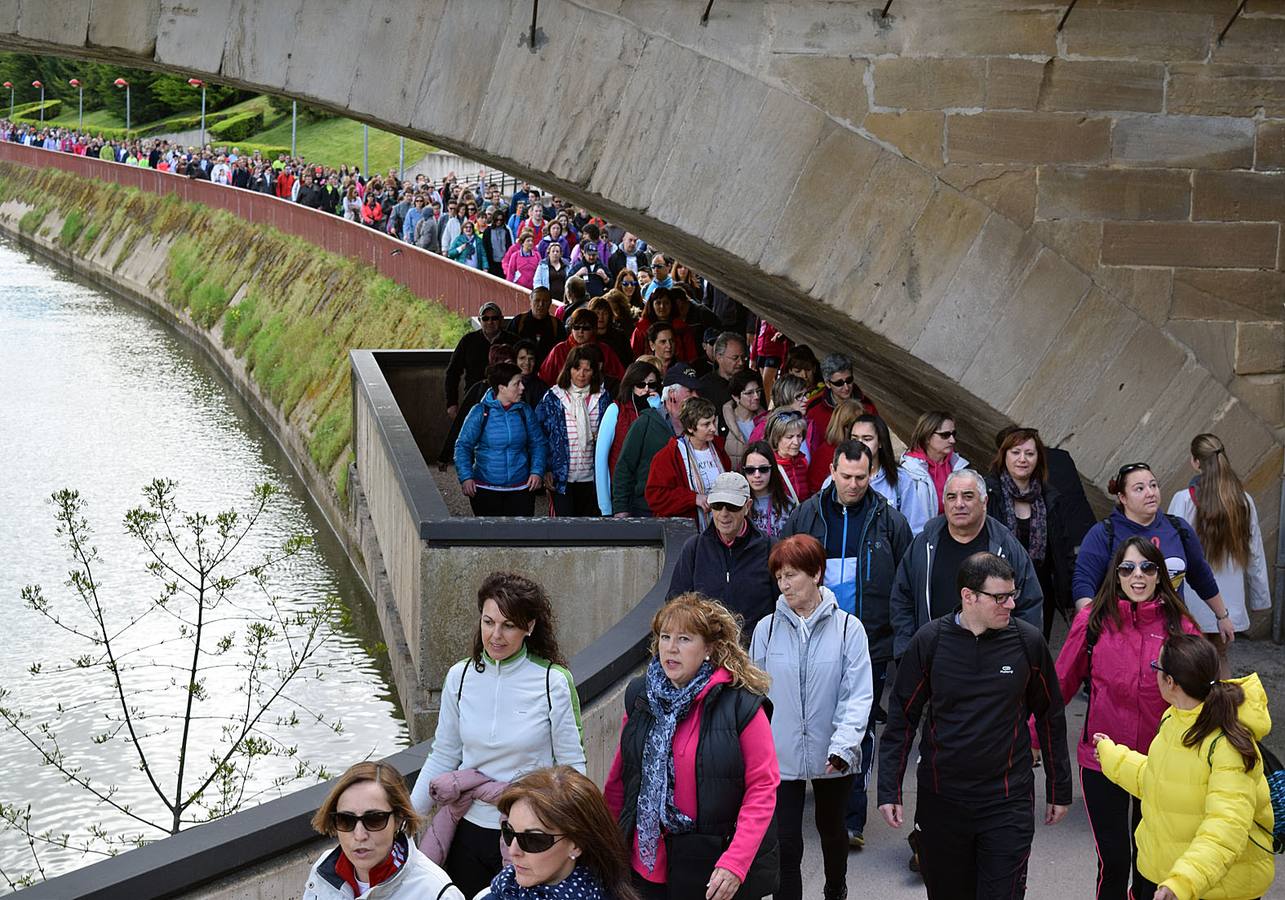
1179, 525
1274, 773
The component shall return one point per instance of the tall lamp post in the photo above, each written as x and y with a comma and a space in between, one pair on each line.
121, 82
9, 85
41, 85
294, 128
196, 82
80, 124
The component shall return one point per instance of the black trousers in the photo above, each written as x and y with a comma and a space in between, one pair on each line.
581, 499
1113, 817
474, 857
502, 503
830, 796
858, 803
972, 852
648, 890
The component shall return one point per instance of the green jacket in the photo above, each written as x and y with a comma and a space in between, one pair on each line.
645, 438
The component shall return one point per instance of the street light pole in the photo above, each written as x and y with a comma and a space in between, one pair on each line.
121, 82
294, 127
41, 85
365, 150
401, 160
80, 124
196, 82
9, 85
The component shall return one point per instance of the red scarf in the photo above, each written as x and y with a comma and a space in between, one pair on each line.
385, 870
938, 472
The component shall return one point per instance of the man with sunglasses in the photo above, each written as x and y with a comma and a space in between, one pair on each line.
976, 675
728, 560
470, 356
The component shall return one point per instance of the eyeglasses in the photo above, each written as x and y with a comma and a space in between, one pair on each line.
492, 318
756, 470
1000, 599
725, 507
529, 841
628, 284
583, 326
1156, 667
945, 435
375, 820
650, 384
843, 382
1147, 567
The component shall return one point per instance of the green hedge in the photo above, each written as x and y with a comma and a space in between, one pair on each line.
30, 112
238, 127
184, 123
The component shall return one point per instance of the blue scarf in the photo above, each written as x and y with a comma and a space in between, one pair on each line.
581, 884
656, 807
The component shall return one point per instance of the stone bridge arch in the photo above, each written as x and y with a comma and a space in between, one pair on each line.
1077, 230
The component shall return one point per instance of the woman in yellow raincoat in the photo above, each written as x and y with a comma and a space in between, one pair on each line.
1206, 831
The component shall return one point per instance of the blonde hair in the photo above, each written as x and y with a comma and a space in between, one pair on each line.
720, 629
841, 421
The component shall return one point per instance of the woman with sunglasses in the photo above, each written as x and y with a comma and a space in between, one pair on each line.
1137, 514
639, 391
698, 707
582, 329
1225, 519
773, 500
562, 842
369, 812
1110, 644
1206, 807
509, 706
741, 413
627, 284
926, 465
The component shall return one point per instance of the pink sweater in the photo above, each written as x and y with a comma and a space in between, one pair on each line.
762, 775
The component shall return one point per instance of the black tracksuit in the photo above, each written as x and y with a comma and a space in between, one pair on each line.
976, 781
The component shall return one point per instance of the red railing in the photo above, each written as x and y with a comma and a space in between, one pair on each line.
425, 274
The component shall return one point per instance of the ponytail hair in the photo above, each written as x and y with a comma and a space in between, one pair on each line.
1222, 511
1191, 661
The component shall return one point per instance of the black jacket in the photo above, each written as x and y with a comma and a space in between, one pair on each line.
619, 261
736, 576
469, 360
979, 692
546, 333
720, 783
1060, 552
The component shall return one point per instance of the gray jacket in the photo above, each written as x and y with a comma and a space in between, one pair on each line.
911, 603
821, 688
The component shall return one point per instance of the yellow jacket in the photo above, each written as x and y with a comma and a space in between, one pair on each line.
1200, 834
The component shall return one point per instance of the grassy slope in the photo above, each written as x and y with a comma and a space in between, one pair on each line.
98, 118
299, 309
336, 142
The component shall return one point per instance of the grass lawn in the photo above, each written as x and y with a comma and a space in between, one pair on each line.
98, 118
336, 142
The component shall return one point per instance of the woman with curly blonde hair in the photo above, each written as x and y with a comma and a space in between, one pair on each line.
698, 707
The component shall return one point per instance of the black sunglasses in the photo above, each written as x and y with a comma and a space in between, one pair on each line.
944, 435
583, 326
1131, 467
724, 507
1156, 667
492, 318
843, 382
650, 384
375, 820
1147, 567
756, 470
529, 841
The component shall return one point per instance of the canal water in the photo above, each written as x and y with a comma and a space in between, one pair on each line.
99, 396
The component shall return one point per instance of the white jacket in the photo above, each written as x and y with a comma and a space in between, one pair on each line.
916, 493
1240, 588
821, 688
418, 879
511, 718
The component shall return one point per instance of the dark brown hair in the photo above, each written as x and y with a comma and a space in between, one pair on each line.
1021, 436
384, 775
925, 425
1192, 662
524, 603
579, 354
1106, 608
571, 804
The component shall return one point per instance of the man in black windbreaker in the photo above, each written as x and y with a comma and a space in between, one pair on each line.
981, 673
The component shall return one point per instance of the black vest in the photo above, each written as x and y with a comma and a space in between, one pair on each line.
720, 775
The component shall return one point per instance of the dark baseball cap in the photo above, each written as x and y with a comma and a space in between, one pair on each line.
682, 373
711, 336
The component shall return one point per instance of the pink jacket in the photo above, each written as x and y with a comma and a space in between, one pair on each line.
1126, 704
762, 776
454, 793
518, 268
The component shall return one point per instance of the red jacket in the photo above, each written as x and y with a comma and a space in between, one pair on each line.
551, 368
820, 411
668, 492
684, 340
796, 469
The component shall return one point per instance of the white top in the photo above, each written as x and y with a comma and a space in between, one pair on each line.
1241, 589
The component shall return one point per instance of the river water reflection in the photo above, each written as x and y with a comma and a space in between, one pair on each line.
100, 396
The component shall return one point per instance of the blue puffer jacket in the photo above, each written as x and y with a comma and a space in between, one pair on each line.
552, 418
499, 447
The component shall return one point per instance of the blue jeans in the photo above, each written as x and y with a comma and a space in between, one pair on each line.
856, 817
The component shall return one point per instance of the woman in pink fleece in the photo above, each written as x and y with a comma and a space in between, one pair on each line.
699, 708
1114, 642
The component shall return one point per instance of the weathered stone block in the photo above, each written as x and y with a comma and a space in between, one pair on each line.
1253, 40
1197, 244
124, 25
834, 84
1148, 292
1239, 197
1200, 142
929, 83
1072, 85
1240, 296
1009, 190
1212, 342
1265, 397
193, 37
1078, 242
1260, 348
918, 135
1146, 194
1013, 83
997, 137
1138, 34
1269, 151
1226, 90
